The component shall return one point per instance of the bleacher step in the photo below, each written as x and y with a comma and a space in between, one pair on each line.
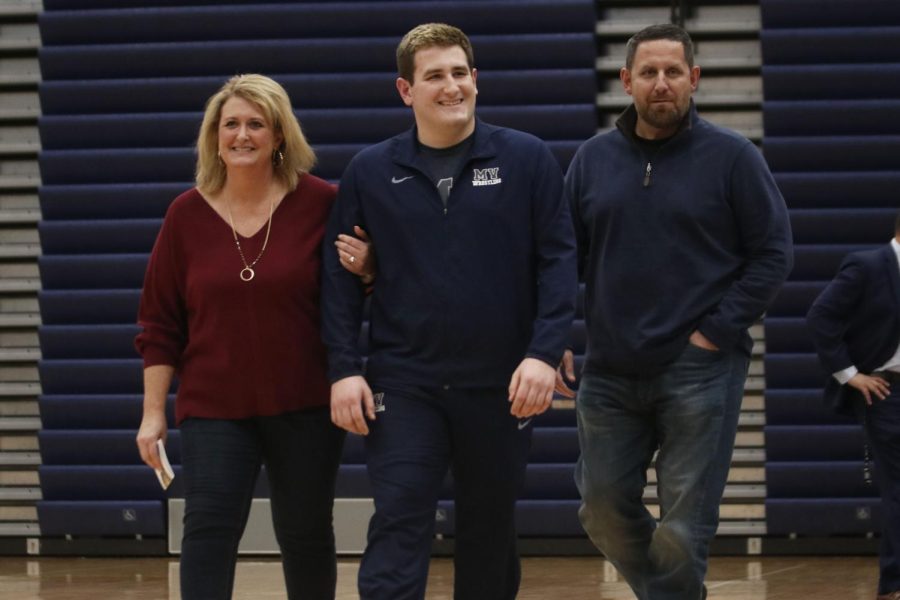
20, 8
20, 423
724, 27
19, 303
750, 439
19, 477
748, 455
732, 492
21, 372
20, 529
15, 148
19, 36
17, 202
19, 408
20, 320
18, 183
755, 384
20, 459
751, 419
17, 513
20, 250
735, 475
750, 528
722, 21
20, 216
727, 511
20, 354
18, 338
18, 284
753, 402
19, 389
20, 494
15, 442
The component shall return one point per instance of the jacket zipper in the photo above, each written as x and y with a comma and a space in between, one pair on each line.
647, 174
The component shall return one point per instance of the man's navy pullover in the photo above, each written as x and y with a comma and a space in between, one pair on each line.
695, 236
463, 293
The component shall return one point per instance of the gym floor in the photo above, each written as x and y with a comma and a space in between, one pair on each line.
550, 578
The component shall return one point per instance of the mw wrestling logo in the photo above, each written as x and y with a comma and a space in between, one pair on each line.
486, 176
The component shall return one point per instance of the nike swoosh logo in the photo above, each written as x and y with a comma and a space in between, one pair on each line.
401, 179
524, 423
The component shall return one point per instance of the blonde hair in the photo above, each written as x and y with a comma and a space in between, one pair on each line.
272, 101
430, 35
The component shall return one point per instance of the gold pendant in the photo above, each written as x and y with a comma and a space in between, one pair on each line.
247, 274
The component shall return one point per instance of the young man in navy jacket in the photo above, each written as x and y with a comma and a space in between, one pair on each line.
683, 241
855, 325
469, 316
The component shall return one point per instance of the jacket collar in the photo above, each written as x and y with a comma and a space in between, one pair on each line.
405, 147
628, 120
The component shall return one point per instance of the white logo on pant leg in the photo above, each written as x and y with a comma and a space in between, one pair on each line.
524, 423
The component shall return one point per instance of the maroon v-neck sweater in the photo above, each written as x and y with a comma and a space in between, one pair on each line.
240, 349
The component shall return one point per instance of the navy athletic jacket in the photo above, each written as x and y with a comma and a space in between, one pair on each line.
463, 293
694, 236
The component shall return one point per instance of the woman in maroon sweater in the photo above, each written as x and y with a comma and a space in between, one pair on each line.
231, 305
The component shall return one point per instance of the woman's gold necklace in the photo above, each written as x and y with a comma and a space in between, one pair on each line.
247, 273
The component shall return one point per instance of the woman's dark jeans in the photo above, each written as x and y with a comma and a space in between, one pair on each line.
220, 463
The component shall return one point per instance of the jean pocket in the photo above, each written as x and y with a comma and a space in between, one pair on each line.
696, 351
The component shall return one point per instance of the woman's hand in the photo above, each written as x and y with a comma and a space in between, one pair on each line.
157, 380
153, 427
356, 254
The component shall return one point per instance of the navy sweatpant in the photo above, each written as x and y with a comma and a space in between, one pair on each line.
411, 444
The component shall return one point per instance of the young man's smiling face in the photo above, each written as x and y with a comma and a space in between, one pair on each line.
442, 95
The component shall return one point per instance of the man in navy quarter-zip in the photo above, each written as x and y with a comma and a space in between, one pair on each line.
683, 241
470, 315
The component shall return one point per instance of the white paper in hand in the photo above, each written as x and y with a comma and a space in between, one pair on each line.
166, 474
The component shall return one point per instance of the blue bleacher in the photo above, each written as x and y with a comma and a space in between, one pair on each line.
318, 55
823, 516
312, 91
307, 20
831, 79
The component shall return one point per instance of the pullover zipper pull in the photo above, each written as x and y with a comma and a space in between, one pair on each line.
647, 174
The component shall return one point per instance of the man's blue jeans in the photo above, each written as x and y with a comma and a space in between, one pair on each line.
689, 412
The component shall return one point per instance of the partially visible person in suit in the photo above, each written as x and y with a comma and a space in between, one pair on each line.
855, 325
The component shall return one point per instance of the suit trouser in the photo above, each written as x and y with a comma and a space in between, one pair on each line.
883, 431
411, 444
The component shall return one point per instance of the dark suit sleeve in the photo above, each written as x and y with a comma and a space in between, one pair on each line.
830, 314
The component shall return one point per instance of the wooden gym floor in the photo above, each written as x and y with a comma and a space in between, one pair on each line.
730, 578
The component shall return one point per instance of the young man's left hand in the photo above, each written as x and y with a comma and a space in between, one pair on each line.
531, 388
